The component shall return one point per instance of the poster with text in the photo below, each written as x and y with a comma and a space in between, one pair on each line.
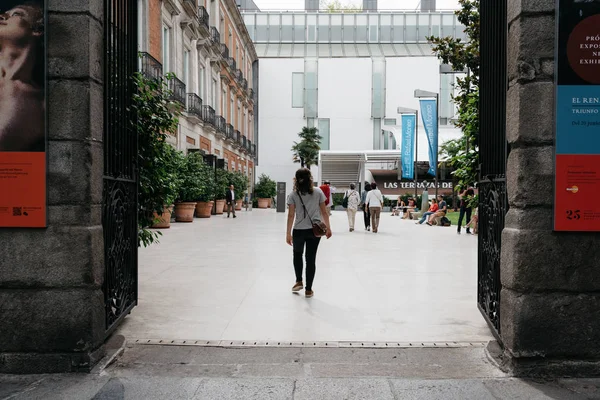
22, 114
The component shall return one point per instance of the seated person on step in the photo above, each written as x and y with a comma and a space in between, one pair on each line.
436, 218
433, 207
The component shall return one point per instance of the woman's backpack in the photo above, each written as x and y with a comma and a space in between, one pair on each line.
345, 201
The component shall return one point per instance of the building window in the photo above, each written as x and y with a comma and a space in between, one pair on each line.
224, 104
232, 110
324, 127
239, 116
186, 67
202, 82
213, 100
230, 41
297, 90
166, 45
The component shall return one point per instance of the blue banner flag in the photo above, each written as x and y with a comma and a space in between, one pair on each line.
408, 146
429, 115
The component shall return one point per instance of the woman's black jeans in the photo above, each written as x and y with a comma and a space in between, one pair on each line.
464, 210
305, 237
367, 216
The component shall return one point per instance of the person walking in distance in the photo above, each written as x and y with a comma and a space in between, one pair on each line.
466, 196
353, 202
306, 207
230, 201
363, 201
375, 202
326, 189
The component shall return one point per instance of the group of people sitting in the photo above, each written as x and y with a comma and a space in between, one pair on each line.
436, 212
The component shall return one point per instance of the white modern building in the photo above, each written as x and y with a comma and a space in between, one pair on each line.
346, 74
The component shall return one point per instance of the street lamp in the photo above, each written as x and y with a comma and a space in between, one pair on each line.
404, 110
424, 94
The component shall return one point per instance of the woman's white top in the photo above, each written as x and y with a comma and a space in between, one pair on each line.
375, 198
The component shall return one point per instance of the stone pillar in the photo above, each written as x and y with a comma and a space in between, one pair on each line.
51, 300
550, 301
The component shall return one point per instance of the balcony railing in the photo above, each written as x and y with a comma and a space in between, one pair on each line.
203, 17
215, 37
244, 142
231, 63
249, 146
238, 137
194, 105
177, 89
224, 51
150, 67
244, 84
220, 124
208, 115
253, 150
251, 93
229, 132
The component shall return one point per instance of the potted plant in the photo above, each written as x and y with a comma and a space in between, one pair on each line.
157, 160
193, 185
205, 198
265, 189
221, 185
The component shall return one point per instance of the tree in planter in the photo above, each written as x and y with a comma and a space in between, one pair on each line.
265, 188
196, 181
306, 152
157, 117
463, 154
240, 182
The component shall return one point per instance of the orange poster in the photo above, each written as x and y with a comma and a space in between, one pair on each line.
22, 114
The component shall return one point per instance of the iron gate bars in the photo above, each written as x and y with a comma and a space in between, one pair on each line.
493, 203
119, 203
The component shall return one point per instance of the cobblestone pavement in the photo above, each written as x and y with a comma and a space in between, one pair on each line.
230, 279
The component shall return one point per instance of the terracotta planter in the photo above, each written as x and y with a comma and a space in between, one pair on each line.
204, 209
263, 203
270, 203
220, 207
164, 220
184, 212
238, 205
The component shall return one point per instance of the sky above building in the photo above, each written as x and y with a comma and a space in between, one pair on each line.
383, 4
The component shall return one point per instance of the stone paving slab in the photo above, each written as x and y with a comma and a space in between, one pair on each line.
222, 279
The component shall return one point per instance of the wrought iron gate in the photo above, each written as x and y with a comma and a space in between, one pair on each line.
493, 202
119, 212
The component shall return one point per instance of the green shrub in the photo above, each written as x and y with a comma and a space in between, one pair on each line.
265, 188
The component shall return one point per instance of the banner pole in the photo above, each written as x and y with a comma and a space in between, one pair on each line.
416, 152
437, 140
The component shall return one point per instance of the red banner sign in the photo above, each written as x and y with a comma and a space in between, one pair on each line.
23, 114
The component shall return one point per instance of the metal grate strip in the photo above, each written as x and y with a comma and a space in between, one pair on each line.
281, 344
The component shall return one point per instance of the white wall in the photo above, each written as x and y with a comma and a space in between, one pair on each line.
279, 123
345, 98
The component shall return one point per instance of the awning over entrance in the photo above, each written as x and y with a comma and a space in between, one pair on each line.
342, 168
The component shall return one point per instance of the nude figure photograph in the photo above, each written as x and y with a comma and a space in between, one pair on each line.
22, 75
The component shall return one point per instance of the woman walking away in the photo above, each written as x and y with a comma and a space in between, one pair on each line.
366, 213
306, 207
353, 202
375, 202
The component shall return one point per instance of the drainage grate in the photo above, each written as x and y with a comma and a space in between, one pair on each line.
275, 343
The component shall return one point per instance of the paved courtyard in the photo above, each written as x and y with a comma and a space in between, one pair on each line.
230, 279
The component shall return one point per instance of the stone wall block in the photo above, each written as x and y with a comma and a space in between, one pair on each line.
81, 58
530, 44
75, 172
60, 257
530, 176
75, 110
75, 215
530, 113
93, 7
517, 7
46, 321
536, 260
550, 325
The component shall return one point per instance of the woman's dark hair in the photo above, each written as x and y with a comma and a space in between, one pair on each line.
434, 201
352, 186
373, 186
303, 184
367, 187
470, 192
